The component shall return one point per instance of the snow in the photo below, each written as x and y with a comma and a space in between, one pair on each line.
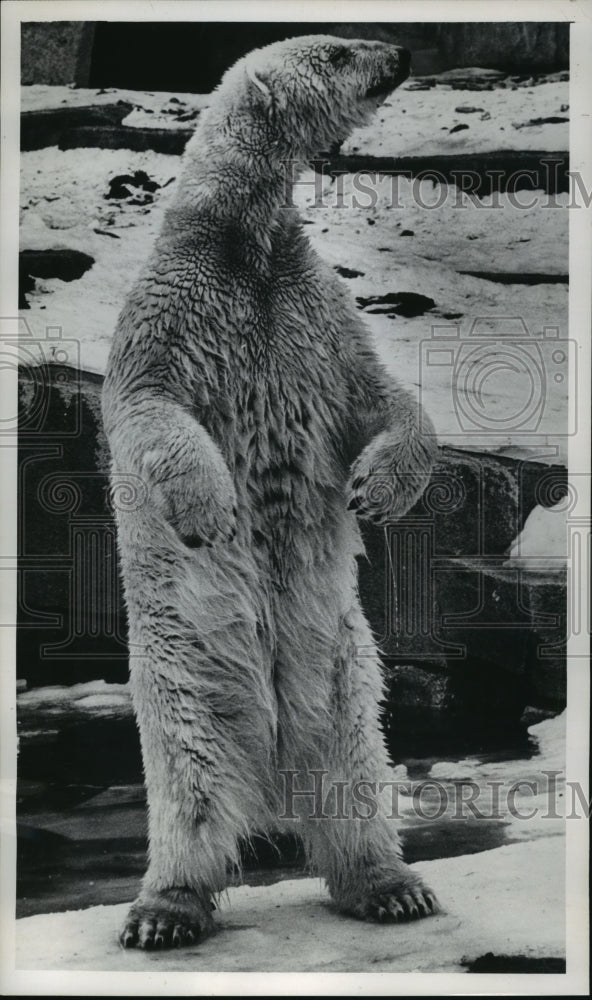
512, 317
449, 228
418, 123
91, 696
550, 735
63, 203
541, 546
508, 901
150, 109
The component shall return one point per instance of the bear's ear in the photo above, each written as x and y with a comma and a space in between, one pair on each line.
257, 81
339, 55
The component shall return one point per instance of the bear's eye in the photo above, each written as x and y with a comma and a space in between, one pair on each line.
338, 57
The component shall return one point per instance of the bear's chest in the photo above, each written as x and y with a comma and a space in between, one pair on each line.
281, 419
280, 416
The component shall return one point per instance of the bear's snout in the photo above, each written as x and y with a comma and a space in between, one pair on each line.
395, 69
402, 63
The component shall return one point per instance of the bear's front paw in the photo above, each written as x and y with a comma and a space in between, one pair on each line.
388, 478
166, 919
199, 502
397, 905
197, 519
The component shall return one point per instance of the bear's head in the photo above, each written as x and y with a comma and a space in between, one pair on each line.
302, 95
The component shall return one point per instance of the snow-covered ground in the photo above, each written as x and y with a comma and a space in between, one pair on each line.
421, 123
63, 206
404, 237
508, 901
149, 109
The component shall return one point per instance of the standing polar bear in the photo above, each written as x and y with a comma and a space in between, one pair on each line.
243, 392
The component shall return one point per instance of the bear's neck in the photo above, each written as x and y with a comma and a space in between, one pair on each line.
234, 184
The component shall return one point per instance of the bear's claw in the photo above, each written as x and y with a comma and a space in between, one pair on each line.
398, 906
155, 934
389, 476
166, 920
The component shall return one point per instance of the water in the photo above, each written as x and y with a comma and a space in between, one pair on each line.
82, 808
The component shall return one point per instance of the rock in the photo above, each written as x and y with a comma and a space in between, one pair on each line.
348, 272
46, 127
472, 74
519, 277
68, 265
56, 52
172, 141
495, 170
546, 602
397, 303
65, 633
137, 188
531, 716
549, 120
457, 629
421, 706
97, 750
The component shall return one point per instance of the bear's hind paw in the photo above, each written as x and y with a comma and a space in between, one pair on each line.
166, 920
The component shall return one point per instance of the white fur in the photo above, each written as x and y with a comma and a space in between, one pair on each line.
241, 387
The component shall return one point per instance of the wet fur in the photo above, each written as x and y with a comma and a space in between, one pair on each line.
243, 392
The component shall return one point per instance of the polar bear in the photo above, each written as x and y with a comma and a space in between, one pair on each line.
243, 394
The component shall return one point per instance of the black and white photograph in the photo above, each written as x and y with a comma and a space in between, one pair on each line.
295, 336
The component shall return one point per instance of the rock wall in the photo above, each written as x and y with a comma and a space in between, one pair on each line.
515, 47
56, 52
